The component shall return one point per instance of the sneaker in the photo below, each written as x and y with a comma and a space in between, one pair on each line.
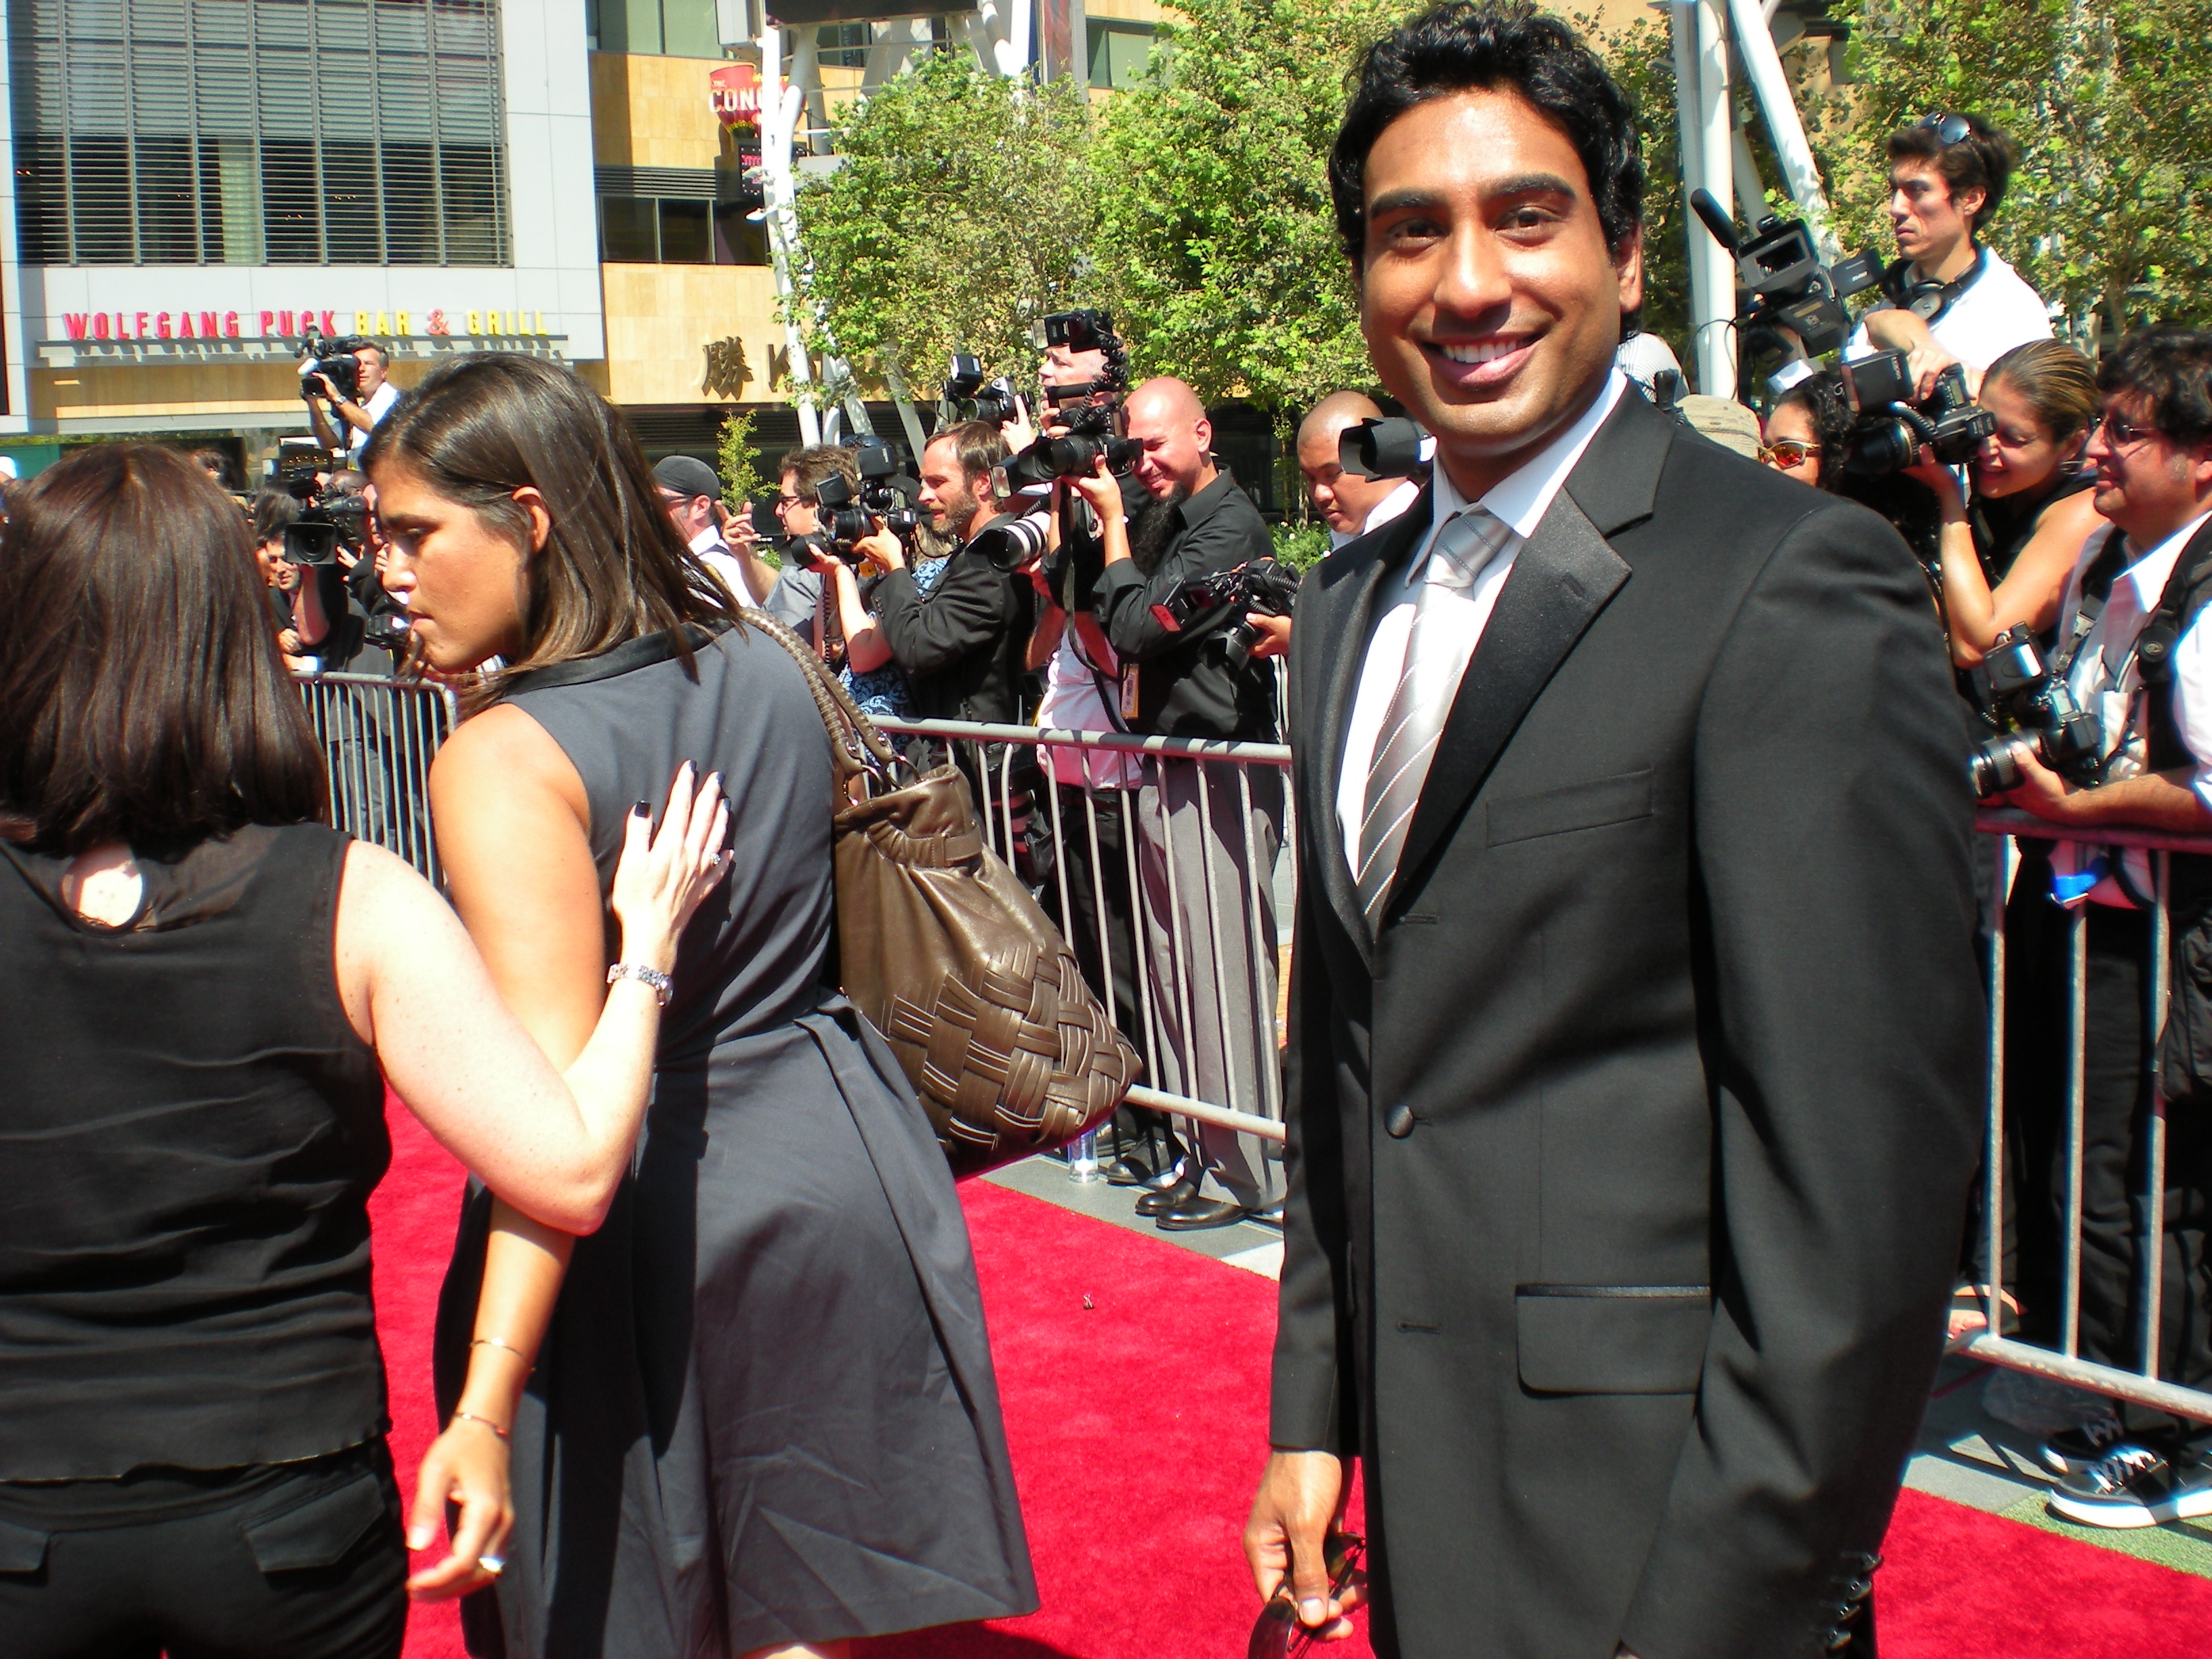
2070, 1451
2134, 1486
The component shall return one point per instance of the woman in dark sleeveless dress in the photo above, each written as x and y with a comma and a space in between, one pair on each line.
763, 1418
198, 984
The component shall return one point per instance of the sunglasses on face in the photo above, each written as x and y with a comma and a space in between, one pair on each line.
2120, 433
1277, 1634
1948, 128
1787, 454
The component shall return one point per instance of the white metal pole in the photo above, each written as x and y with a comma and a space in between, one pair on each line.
1769, 85
1714, 346
780, 104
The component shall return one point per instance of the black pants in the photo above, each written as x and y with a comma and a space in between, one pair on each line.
279, 1561
2115, 1110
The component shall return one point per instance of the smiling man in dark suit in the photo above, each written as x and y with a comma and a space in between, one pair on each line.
1634, 1024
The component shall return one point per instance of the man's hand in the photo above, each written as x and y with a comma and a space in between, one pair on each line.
1301, 1496
1020, 432
881, 545
1274, 635
1894, 329
2044, 793
1104, 491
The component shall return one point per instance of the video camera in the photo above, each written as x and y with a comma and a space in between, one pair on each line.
327, 517
972, 397
1780, 270
1890, 428
1386, 447
338, 360
1266, 585
2038, 716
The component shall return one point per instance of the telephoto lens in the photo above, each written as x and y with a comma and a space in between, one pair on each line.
1012, 540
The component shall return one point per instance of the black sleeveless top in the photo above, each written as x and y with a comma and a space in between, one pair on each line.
190, 1129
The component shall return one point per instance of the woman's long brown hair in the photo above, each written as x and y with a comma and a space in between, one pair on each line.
614, 567
142, 699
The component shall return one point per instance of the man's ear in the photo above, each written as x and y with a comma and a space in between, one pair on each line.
1628, 270
1970, 204
532, 500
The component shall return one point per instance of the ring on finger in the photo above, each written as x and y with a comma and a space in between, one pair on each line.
493, 1564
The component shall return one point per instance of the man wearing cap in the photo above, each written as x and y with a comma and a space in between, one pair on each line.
692, 493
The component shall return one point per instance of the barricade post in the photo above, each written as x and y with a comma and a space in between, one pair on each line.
378, 737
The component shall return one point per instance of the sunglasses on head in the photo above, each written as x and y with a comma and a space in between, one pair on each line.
1787, 454
1949, 129
1277, 1634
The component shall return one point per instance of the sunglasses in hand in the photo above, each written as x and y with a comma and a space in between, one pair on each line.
1277, 1634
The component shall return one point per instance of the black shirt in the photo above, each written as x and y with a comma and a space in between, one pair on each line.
189, 1134
960, 644
1187, 686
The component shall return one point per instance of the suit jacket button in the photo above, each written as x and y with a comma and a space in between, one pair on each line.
1399, 1121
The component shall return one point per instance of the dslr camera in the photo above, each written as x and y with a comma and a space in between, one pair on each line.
1266, 585
848, 514
1074, 454
1013, 540
1784, 283
335, 359
969, 397
327, 517
1388, 447
1890, 428
2036, 714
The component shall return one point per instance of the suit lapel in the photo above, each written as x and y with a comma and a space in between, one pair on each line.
1559, 583
1346, 624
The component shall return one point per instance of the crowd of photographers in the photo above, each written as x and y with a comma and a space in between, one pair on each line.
1092, 566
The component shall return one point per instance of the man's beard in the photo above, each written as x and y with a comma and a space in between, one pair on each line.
959, 512
1155, 529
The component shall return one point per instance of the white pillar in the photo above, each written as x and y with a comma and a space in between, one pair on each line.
1709, 131
780, 104
1762, 66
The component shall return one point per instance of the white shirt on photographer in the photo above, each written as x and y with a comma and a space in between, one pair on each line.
2105, 683
379, 405
1996, 311
1073, 701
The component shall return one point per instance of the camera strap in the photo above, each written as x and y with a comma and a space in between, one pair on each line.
1923, 296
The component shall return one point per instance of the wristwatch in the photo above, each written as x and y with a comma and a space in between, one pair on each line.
637, 970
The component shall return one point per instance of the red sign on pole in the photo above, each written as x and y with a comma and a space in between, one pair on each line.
734, 91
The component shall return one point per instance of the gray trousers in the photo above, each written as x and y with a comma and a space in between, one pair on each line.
1207, 836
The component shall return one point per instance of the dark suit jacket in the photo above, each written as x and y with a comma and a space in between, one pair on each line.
1627, 1167
960, 644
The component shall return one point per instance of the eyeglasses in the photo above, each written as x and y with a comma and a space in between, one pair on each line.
1277, 1634
785, 503
1787, 454
2120, 433
1949, 129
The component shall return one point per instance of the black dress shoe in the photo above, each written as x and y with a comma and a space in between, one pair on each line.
1195, 1214
1155, 1203
1176, 1169
1128, 1170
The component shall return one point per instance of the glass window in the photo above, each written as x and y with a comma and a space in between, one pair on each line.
689, 29
303, 132
629, 230
1119, 53
684, 235
845, 46
738, 240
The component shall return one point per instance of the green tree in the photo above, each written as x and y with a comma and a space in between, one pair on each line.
736, 454
2110, 210
1642, 58
960, 214
1217, 245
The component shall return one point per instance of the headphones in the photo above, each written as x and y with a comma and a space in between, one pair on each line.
1924, 297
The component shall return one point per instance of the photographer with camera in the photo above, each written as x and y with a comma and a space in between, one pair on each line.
1350, 504
352, 382
1949, 299
833, 549
1193, 680
271, 514
2136, 660
796, 598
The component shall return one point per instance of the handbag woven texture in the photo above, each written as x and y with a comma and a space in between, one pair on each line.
945, 950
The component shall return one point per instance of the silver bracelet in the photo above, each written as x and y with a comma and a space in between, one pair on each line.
661, 983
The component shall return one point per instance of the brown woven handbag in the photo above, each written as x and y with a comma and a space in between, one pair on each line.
951, 959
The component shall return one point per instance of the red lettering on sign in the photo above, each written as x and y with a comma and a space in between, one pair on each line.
76, 322
100, 326
267, 318
138, 330
211, 325
329, 322
184, 325
162, 326
230, 324
285, 319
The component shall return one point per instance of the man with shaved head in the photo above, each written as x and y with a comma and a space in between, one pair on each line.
1202, 856
1349, 504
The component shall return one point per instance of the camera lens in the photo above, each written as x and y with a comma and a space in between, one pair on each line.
1996, 764
1010, 542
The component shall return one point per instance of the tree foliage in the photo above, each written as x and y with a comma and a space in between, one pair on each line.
960, 215
2110, 210
1216, 243
735, 460
1642, 58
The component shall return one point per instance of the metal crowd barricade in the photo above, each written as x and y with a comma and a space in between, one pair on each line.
2065, 1363
378, 736
1173, 965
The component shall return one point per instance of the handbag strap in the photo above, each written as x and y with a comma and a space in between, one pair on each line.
854, 741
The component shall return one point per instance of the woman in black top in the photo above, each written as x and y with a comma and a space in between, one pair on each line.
764, 1416
199, 984
2008, 549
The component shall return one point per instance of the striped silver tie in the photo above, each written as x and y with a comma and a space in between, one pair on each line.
1407, 740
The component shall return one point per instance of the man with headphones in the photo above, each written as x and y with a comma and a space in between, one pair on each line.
1948, 299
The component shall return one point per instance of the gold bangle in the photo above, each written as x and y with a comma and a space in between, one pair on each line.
493, 1342
486, 1421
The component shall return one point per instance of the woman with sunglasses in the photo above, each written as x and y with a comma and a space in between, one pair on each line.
1808, 436
754, 1413
2009, 547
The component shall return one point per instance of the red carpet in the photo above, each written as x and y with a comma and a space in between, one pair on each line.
1138, 1424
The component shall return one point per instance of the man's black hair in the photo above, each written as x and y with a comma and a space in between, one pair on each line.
1494, 46
1982, 160
2170, 369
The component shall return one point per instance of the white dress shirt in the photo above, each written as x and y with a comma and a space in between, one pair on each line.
715, 554
1392, 505
376, 406
2106, 683
1998, 311
1519, 500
